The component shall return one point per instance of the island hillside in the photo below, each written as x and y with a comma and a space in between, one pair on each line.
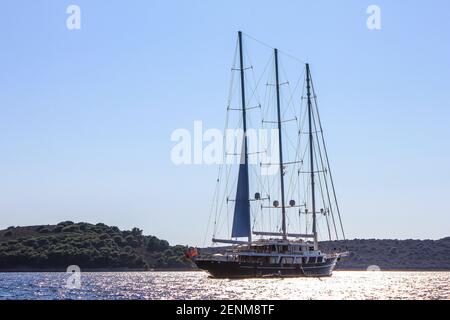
102, 247
91, 247
393, 254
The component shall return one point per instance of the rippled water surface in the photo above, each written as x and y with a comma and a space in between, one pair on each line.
197, 285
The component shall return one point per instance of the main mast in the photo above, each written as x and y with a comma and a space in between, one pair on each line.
244, 120
311, 155
280, 148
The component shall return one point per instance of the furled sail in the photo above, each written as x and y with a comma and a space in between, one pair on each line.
241, 220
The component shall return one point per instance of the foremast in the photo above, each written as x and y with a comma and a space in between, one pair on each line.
241, 221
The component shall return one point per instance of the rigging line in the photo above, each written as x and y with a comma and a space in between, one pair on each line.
225, 220
210, 214
325, 178
259, 185
309, 201
222, 202
327, 160
319, 232
319, 177
293, 174
268, 63
285, 102
252, 95
219, 204
274, 181
259, 181
270, 94
292, 57
269, 179
289, 140
264, 110
324, 174
230, 90
218, 185
266, 93
262, 217
254, 216
302, 76
303, 117
282, 93
214, 202
224, 197
292, 171
305, 150
301, 197
214, 205
256, 83
299, 140
270, 210
303, 113
269, 46
293, 184
291, 92
260, 115
259, 41
214, 209
288, 218
227, 193
227, 172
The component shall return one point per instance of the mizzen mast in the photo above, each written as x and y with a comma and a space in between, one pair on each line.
311, 155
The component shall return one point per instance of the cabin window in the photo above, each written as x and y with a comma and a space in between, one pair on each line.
312, 260
288, 260
319, 260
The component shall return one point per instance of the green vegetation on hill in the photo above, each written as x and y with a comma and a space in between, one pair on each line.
393, 254
55, 247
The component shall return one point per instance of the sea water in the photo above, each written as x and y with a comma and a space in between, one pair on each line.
197, 285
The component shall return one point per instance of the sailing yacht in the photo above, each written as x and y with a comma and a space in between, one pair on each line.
279, 253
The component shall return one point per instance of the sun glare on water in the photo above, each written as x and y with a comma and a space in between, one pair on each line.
197, 285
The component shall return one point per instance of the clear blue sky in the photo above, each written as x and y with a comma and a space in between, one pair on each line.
86, 116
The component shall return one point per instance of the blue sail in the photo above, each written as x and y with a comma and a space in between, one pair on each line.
241, 219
